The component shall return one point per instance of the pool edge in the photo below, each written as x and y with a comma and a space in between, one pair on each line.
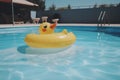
30, 25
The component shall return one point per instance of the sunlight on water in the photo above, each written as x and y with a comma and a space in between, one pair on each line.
93, 57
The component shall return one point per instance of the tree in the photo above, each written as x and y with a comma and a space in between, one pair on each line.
118, 5
103, 6
69, 7
41, 4
111, 5
95, 6
53, 7
62, 8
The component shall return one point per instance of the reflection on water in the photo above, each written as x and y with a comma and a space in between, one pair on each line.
29, 50
76, 62
93, 57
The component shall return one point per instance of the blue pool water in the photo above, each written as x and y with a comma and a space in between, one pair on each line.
94, 56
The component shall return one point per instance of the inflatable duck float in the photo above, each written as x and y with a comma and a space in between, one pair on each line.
48, 38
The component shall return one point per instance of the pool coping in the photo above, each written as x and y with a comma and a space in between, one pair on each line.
59, 24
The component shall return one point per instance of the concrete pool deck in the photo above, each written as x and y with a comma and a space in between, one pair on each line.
59, 24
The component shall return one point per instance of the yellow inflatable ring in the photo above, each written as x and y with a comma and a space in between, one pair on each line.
53, 40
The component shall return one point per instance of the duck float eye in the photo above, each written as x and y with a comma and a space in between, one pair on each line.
45, 26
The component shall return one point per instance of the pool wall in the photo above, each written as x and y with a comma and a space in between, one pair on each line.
88, 15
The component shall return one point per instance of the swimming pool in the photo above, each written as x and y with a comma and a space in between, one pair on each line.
94, 56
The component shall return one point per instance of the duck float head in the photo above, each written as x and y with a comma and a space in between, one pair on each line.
47, 28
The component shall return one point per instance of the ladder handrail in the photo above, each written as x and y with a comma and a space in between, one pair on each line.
101, 17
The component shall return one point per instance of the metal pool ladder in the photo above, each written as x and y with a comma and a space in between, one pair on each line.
101, 18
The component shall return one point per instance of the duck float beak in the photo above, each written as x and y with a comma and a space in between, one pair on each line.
44, 30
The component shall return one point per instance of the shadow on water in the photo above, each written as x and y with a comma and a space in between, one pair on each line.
114, 31
29, 50
22, 49
117, 34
